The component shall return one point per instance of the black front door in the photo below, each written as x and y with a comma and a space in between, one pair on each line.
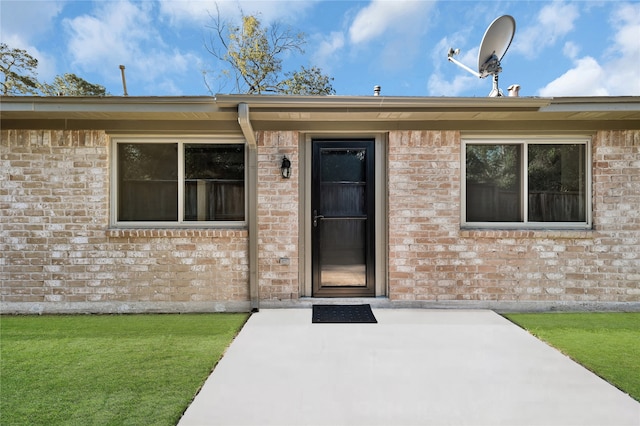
342, 222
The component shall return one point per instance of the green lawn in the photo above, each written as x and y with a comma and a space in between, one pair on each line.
606, 343
107, 369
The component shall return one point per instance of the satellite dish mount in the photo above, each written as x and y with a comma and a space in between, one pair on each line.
494, 45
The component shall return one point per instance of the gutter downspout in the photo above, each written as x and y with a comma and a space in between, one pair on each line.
252, 201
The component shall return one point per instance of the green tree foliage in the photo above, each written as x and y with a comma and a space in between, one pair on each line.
72, 85
550, 167
308, 81
251, 55
494, 164
18, 71
19, 78
556, 168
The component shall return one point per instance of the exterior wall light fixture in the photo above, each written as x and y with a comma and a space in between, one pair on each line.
285, 168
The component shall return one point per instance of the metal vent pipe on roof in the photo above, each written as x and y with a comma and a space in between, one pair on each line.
124, 80
514, 90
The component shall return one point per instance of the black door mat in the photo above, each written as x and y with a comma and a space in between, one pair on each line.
343, 314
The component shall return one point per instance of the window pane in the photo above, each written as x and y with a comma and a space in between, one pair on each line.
343, 253
557, 187
214, 182
147, 182
493, 180
343, 182
343, 165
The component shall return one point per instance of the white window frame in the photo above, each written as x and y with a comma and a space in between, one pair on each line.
181, 141
523, 142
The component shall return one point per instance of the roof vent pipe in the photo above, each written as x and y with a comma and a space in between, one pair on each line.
514, 90
124, 80
376, 90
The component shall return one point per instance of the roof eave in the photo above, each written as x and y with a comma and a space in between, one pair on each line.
378, 102
221, 112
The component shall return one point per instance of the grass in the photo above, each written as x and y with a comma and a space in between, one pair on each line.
606, 343
146, 369
125, 370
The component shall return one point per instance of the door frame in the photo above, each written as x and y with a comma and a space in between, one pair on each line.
380, 213
318, 146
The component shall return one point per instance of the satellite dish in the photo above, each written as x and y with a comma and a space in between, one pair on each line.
493, 47
495, 43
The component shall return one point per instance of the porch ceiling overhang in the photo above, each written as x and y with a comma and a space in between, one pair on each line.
320, 113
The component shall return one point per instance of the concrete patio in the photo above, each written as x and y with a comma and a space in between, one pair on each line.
415, 367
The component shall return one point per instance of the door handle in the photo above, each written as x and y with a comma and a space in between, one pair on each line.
316, 216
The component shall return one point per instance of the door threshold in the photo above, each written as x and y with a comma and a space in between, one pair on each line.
308, 302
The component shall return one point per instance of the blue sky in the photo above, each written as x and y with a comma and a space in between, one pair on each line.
560, 48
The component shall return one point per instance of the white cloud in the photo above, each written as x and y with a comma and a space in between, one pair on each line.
22, 23
461, 81
28, 19
327, 48
46, 70
380, 17
186, 12
387, 39
617, 74
553, 22
623, 63
114, 33
584, 79
470, 58
571, 50
123, 32
626, 21
438, 85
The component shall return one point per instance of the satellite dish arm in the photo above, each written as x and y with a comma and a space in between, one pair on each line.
460, 64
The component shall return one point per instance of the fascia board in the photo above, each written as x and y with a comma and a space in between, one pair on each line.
593, 107
109, 104
378, 102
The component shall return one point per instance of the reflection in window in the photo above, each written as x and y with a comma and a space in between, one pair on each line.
343, 182
149, 177
214, 182
527, 181
493, 183
556, 183
147, 182
343, 165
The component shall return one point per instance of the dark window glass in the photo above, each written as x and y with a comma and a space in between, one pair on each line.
214, 182
343, 165
343, 182
147, 182
493, 183
557, 183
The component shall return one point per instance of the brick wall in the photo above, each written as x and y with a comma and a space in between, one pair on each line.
57, 246
424, 210
278, 216
431, 258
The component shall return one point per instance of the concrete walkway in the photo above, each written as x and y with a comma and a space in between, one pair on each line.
415, 367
